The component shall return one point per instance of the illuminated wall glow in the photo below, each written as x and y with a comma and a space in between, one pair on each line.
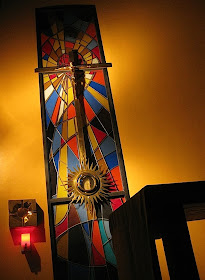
157, 81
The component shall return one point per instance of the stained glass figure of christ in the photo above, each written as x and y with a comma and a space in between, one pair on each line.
85, 173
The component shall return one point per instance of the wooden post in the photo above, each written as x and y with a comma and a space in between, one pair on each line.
177, 244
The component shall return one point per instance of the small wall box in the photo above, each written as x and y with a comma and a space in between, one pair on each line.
22, 213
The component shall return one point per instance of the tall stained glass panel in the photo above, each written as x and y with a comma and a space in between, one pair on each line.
84, 166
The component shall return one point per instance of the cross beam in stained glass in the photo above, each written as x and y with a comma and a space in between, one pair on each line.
71, 68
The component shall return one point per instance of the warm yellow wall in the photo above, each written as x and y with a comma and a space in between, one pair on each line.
157, 51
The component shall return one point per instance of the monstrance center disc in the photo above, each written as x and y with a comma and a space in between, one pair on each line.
88, 183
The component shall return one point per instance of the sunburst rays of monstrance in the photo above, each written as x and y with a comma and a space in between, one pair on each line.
87, 184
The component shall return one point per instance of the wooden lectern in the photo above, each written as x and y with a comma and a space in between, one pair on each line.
159, 211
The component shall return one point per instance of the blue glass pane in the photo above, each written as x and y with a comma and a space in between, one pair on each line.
69, 39
110, 257
107, 146
88, 244
69, 18
78, 272
82, 25
59, 128
81, 212
91, 148
47, 120
56, 141
46, 56
92, 274
92, 45
107, 228
56, 159
54, 211
86, 228
59, 88
100, 88
96, 106
111, 160
50, 104
102, 232
72, 160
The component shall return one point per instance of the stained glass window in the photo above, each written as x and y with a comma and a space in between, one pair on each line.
81, 193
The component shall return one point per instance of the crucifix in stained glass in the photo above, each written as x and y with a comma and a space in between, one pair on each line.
85, 172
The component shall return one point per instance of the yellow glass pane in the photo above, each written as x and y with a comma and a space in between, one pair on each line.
87, 81
62, 245
89, 58
91, 213
89, 61
49, 64
103, 166
45, 78
88, 76
87, 55
46, 82
103, 100
45, 63
54, 79
69, 83
98, 154
52, 61
64, 126
60, 212
64, 96
77, 45
57, 81
83, 43
48, 92
46, 85
70, 95
56, 45
61, 110
71, 128
62, 45
60, 75
92, 138
62, 172
62, 179
54, 28
81, 49
61, 35
86, 38
95, 60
